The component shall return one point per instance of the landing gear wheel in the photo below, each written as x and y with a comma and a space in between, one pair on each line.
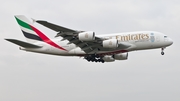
94, 58
162, 53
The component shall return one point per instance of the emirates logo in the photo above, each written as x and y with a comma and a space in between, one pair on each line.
86, 35
110, 42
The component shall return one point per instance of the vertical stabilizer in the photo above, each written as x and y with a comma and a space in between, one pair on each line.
28, 29
32, 34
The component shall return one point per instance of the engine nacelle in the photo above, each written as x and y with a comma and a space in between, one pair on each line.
121, 56
86, 36
108, 58
111, 43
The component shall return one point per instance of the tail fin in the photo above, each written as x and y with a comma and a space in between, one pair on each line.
30, 32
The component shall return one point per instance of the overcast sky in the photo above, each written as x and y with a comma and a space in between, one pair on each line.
145, 76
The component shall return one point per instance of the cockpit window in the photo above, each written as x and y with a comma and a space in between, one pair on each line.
165, 36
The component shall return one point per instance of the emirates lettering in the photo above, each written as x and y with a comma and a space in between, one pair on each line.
132, 37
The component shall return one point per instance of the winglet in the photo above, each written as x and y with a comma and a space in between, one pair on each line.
34, 20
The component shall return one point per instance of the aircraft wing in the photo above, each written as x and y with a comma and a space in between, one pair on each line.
90, 47
55, 27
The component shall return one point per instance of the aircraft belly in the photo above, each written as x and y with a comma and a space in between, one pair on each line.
76, 51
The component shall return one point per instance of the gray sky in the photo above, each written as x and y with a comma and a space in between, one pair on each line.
145, 76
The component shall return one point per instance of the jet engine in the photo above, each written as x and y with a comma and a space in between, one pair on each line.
111, 43
121, 56
108, 58
86, 36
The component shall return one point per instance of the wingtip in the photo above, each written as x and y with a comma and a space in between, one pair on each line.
6, 39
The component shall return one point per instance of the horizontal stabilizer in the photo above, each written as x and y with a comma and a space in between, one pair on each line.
23, 44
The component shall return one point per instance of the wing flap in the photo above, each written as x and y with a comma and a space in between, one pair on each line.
23, 44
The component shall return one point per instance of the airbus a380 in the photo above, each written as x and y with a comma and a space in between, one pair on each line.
94, 48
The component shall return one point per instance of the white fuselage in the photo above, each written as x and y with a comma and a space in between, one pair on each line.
141, 40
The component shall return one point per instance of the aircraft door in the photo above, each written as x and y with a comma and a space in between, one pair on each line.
157, 38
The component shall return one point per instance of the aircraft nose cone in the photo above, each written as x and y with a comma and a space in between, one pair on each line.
170, 41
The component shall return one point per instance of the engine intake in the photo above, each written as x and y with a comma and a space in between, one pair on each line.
86, 36
111, 43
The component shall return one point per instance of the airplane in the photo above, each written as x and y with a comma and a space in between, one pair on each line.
94, 48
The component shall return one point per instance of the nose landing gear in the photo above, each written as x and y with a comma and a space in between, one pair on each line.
162, 51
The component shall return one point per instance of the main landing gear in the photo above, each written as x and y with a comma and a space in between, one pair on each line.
94, 58
162, 51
